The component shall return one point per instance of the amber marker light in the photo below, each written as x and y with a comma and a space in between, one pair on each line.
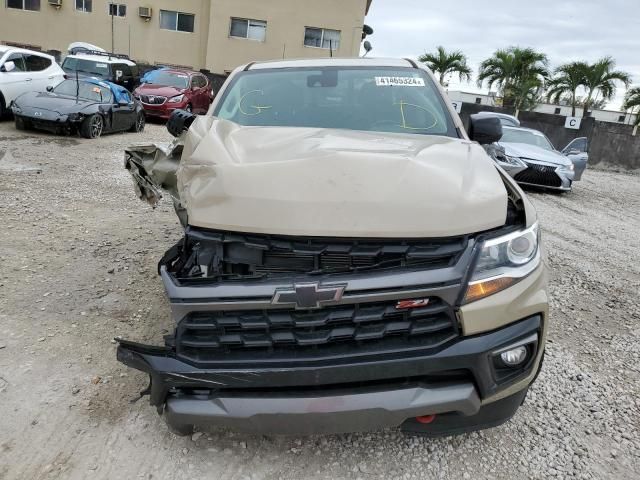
484, 288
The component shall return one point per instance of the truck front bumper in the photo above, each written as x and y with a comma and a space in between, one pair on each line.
350, 394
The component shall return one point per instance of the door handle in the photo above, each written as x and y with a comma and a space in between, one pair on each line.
28, 79
51, 77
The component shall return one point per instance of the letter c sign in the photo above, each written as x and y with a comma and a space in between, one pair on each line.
573, 123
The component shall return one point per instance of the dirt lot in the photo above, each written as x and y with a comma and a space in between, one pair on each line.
78, 254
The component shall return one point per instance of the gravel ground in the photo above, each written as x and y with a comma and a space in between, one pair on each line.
78, 254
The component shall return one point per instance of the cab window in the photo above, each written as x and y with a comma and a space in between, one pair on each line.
36, 63
86, 90
18, 60
579, 144
198, 81
382, 99
83, 65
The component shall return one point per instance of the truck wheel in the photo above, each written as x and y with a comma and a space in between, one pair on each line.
92, 126
138, 126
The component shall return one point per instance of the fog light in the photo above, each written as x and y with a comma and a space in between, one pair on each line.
514, 357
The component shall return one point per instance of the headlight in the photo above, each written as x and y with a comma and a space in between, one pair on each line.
567, 167
176, 99
504, 261
511, 161
515, 161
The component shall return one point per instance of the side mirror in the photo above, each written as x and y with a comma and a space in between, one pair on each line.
9, 66
118, 74
485, 130
179, 121
49, 88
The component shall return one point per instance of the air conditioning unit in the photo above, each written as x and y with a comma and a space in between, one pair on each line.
55, 3
144, 12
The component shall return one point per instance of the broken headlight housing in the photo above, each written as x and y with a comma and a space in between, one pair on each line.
511, 161
504, 261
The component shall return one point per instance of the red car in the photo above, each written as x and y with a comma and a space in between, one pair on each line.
165, 90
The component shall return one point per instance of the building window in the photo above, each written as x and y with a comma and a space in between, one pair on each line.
84, 5
622, 118
478, 100
24, 4
557, 111
322, 38
247, 28
177, 21
118, 9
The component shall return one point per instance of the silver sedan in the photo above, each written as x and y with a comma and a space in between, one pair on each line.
529, 157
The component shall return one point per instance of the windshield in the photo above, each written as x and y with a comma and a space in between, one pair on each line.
525, 136
86, 90
400, 100
83, 65
167, 79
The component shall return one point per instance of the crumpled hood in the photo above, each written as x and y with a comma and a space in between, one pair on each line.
326, 182
524, 150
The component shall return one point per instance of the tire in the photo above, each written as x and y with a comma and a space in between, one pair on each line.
138, 126
2, 106
20, 123
180, 430
92, 126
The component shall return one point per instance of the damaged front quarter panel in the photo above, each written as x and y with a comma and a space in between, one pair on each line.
154, 166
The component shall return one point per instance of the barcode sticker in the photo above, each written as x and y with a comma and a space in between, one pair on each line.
399, 82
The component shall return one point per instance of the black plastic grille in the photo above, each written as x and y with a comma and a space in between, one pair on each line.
207, 336
230, 255
543, 175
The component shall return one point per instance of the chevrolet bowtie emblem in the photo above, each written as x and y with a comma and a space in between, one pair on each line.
308, 295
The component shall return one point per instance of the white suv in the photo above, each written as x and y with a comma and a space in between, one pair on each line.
25, 71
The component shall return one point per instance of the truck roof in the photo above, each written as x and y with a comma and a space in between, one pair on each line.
332, 62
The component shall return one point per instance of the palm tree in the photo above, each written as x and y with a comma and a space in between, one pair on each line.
568, 78
601, 77
519, 73
445, 63
632, 102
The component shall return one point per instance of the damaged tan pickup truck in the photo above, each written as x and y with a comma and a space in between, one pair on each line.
352, 258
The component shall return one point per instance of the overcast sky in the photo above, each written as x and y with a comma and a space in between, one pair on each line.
566, 30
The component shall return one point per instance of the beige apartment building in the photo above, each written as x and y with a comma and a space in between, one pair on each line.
217, 35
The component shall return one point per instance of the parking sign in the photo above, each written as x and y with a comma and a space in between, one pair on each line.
573, 123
